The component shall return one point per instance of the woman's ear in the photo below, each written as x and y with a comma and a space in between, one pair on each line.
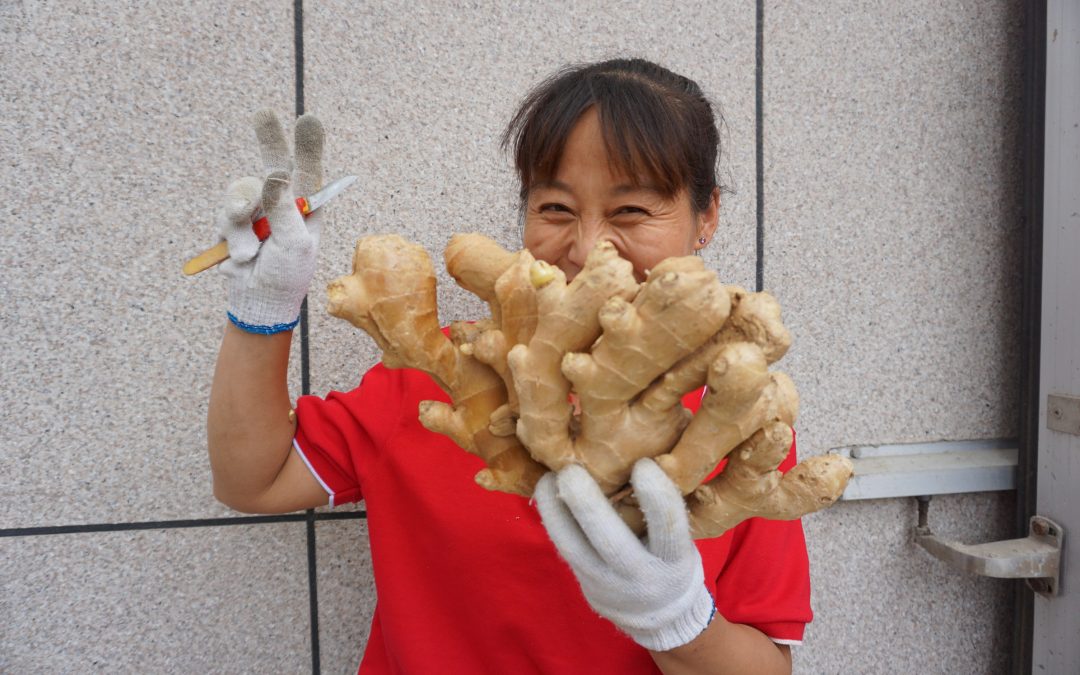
708, 220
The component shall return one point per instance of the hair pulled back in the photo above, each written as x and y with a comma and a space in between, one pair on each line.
657, 125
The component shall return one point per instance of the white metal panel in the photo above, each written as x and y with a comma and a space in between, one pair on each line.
915, 474
1056, 648
924, 469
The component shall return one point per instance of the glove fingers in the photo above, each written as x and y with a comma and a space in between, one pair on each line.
234, 218
605, 530
308, 142
561, 526
275, 187
273, 145
286, 223
664, 509
267, 289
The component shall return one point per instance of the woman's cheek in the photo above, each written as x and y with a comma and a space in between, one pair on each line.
639, 253
543, 241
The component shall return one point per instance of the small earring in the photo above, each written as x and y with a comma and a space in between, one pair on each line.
701, 241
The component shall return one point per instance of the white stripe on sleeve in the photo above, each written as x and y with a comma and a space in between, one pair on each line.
314, 472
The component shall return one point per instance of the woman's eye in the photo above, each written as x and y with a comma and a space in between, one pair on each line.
553, 207
634, 210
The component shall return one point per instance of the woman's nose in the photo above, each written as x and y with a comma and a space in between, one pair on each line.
589, 233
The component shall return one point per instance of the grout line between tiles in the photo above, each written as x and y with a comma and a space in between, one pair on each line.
759, 132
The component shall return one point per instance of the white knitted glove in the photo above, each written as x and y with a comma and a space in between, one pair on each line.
652, 589
267, 281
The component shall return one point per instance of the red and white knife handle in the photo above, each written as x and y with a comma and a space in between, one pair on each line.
262, 225
220, 253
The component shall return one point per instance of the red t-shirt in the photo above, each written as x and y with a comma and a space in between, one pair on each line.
468, 581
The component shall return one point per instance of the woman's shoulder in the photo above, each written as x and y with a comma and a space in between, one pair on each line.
389, 384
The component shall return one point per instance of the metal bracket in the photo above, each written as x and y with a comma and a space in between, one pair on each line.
1036, 558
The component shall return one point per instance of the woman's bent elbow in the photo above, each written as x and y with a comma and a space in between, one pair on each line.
235, 502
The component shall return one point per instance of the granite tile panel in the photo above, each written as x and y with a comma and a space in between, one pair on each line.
884, 605
346, 594
892, 211
122, 125
196, 600
892, 206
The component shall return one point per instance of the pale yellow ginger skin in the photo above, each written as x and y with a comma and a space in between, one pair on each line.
391, 296
678, 308
476, 263
514, 302
568, 321
754, 317
626, 353
750, 485
742, 397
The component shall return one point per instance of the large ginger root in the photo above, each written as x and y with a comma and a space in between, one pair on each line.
391, 296
741, 398
750, 485
592, 372
677, 309
504, 281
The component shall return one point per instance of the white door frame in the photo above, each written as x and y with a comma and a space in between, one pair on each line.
1055, 645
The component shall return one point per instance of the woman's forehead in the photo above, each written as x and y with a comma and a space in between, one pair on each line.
589, 149
621, 187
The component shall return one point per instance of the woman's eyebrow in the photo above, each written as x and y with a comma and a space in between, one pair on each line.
618, 190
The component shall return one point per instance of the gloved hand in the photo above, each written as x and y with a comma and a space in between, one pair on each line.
651, 589
267, 281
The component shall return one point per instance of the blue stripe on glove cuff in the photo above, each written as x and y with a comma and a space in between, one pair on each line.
262, 330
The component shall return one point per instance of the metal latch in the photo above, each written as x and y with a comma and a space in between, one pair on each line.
1035, 558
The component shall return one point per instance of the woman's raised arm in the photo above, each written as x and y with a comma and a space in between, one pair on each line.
249, 431
249, 428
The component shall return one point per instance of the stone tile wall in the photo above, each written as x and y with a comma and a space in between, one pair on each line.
890, 179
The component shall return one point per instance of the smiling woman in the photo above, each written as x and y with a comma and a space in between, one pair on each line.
590, 199
622, 151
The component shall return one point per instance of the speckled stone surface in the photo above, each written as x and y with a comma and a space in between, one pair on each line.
207, 600
892, 195
883, 605
346, 594
415, 100
892, 204
122, 125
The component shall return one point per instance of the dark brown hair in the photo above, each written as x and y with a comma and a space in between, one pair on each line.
656, 124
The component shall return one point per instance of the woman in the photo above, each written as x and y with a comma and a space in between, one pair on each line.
468, 580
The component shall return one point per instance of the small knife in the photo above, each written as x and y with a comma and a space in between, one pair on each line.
261, 225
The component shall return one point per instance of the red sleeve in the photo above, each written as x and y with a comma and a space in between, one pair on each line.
765, 582
764, 579
339, 435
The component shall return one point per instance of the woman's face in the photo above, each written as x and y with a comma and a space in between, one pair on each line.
585, 203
